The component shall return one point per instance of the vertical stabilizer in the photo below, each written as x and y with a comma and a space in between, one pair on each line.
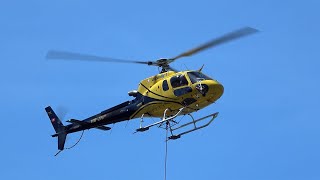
56, 123
58, 127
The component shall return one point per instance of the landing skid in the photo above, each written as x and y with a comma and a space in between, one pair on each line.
195, 127
170, 124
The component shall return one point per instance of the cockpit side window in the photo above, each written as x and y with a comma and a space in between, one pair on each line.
197, 76
165, 86
179, 80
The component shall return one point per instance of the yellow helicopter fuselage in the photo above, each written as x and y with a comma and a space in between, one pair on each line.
174, 90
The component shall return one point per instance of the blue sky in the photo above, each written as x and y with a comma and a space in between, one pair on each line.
268, 126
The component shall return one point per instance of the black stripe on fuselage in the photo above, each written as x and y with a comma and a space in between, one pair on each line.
155, 101
156, 93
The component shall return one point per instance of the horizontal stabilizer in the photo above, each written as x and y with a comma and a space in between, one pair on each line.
104, 128
74, 121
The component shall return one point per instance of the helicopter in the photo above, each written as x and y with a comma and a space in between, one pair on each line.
166, 95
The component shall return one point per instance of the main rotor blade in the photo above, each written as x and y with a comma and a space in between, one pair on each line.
215, 42
64, 55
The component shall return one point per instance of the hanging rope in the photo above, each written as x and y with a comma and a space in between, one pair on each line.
166, 152
71, 146
76, 142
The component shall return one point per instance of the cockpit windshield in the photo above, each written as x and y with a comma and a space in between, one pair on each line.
196, 76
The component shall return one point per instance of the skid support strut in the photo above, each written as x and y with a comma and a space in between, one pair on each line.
163, 120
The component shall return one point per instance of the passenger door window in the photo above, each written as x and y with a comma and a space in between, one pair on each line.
179, 80
165, 86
